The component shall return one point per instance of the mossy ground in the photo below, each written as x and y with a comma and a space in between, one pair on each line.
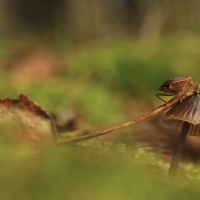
104, 82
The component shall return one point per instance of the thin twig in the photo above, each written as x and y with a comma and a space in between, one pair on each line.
134, 121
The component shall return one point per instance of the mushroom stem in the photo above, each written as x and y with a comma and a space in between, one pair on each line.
177, 154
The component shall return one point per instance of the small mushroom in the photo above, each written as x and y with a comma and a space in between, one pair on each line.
184, 116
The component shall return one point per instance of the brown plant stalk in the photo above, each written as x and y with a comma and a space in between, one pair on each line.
145, 116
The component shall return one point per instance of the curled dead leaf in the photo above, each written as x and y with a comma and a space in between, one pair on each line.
26, 119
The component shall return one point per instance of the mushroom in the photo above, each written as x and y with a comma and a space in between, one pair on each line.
184, 116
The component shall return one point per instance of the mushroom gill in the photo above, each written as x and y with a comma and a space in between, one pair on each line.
186, 111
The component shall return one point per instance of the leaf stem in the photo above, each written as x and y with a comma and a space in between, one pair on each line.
132, 122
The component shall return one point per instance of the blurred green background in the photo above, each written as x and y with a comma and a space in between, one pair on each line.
102, 61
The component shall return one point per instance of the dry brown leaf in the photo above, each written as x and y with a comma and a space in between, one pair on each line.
25, 119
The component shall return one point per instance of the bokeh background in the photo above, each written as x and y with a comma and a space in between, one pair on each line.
94, 64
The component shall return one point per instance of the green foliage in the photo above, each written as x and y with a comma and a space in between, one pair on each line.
134, 68
100, 105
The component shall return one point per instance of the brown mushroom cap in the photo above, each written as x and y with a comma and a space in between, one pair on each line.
186, 111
